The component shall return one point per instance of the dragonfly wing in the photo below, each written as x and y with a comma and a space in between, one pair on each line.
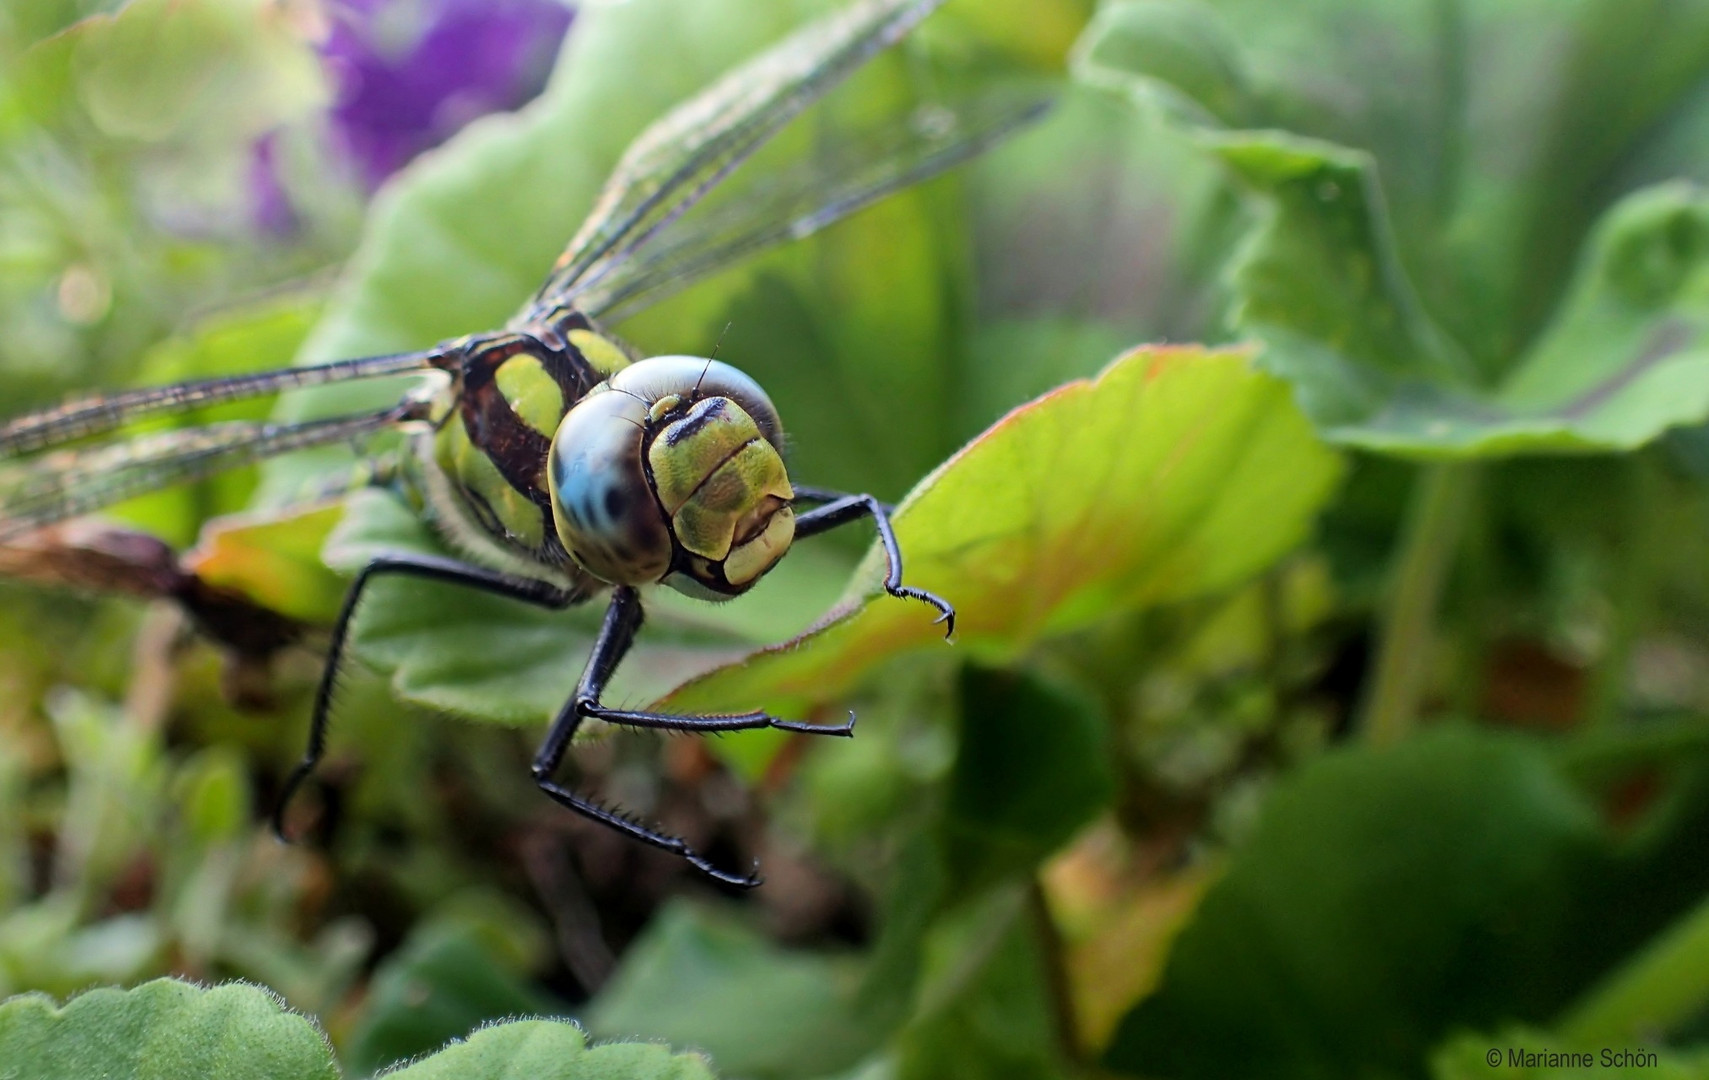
851, 173
66, 484
681, 157
97, 416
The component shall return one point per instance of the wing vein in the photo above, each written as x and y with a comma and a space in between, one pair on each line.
97, 416
71, 483
697, 144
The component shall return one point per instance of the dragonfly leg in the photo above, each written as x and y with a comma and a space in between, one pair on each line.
826, 495
841, 509
432, 568
616, 635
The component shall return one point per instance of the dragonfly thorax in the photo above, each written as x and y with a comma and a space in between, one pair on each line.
671, 471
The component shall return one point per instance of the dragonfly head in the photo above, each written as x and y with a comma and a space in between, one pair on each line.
671, 471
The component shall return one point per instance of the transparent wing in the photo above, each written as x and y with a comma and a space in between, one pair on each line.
69, 483
843, 178
99, 415
681, 157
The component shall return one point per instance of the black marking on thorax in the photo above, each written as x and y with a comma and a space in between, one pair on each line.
517, 449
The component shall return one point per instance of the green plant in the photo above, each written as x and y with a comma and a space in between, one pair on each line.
1327, 699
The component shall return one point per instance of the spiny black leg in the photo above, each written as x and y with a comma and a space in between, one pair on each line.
433, 568
622, 622
842, 509
637, 831
616, 635
747, 721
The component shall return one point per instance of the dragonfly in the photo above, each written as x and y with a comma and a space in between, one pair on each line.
560, 463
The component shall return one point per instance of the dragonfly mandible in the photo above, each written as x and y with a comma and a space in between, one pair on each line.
559, 462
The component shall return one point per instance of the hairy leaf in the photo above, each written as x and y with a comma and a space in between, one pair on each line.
538, 1049
759, 1011
164, 1029
444, 982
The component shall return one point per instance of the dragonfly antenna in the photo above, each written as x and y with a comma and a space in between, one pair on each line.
719, 344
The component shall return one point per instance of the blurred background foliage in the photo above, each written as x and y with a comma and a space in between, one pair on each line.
1335, 703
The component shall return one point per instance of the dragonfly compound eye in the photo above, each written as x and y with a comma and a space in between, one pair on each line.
602, 505
671, 471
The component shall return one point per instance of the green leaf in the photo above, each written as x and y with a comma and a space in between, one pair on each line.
444, 982
274, 559
696, 979
551, 1050
48, 946
915, 894
1386, 898
1078, 287
1041, 33
1411, 313
200, 69
1662, 987
164, 1029
211, 792
994, 1020
1033, 767
168, 1029
1320, 283
1175, 473
700, 979
1626, 359
1628, 351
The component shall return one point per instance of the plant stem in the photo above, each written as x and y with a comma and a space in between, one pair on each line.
1666, 983
1633, 592
1054, 954
1478, 605
1440, 498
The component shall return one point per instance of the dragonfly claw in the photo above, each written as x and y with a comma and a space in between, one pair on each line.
844, 730
292, 783
749, 880
946, 610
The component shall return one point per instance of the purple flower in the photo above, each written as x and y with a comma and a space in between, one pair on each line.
269, 206
409, 73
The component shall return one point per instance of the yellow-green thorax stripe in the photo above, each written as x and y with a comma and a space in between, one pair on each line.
510, 392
